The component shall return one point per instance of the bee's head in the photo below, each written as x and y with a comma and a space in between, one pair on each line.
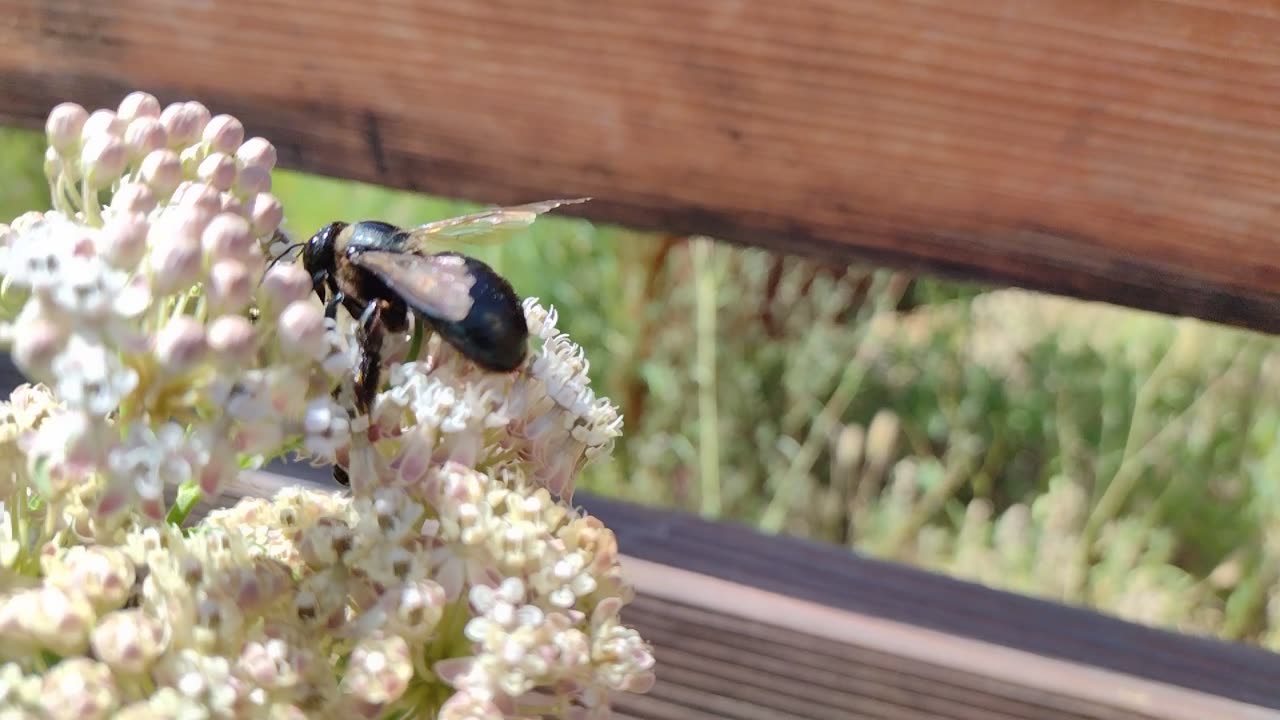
319, 254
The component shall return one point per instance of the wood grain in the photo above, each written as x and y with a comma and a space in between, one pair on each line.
1120, 151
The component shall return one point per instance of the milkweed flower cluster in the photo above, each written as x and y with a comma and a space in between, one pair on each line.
454, 580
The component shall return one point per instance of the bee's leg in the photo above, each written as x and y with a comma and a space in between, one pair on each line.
317, 283
370, 336
331, 307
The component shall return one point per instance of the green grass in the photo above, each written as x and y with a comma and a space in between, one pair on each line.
1110, 458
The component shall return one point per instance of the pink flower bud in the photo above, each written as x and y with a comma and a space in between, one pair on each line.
37, 341
180, 345
183, 123
218, 170
251, 180
199, 196
103, 159
102, 122
144, 136
302, 329
138, 105
257, 151
224, 134
63, 126
227, 236
265, 213
200, 113
176, 255
230, 287
162, 170
231, 337
123, 240
183, 222
134, 197
175, 267
284, 284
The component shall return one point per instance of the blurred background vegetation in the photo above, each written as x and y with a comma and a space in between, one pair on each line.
1080, 452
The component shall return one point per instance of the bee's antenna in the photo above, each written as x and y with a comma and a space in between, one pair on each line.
280, 257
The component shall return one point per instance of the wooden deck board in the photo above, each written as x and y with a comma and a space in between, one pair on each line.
1118, 151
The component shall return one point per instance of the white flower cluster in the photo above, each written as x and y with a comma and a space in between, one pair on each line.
153, 310
456, 580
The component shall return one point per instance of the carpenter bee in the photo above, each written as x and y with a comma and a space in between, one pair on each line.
382, 274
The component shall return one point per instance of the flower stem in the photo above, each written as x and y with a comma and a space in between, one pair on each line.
705, 357
415, 343
188, 495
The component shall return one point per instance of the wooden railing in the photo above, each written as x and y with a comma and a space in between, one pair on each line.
1125, 151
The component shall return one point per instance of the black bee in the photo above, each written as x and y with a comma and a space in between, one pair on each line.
381, 273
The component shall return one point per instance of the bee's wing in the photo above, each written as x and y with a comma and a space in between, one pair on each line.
487, 226
434, 285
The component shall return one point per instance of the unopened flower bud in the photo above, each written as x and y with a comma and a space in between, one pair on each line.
265, 213
230, 287
251, 180
218, 170
138, 104
257, 151
134, 197
175, 264
201, 197
184, 122
224, 134
123, 240
103, 159
37, 342
128, 641
102, 122
227, 236
180, 345
231, 337
162, 170
302, 329
284, 284
63, 126
144, 136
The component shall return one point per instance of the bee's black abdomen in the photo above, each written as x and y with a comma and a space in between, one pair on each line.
494, 334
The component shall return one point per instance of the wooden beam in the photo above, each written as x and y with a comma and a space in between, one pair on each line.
1119, 151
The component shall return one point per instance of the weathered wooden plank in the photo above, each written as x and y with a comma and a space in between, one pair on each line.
1120, 151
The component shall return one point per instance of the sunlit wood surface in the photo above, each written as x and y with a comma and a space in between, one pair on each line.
1126, 151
